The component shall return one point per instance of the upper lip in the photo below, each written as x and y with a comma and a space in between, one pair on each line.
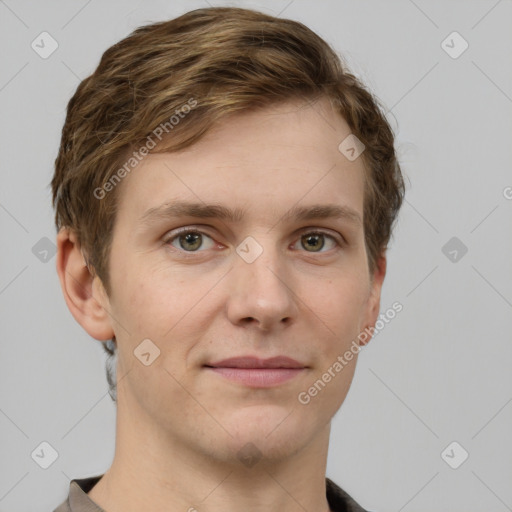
255, 362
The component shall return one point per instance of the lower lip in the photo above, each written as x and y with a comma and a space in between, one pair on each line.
258, 377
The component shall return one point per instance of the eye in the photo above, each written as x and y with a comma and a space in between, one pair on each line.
192, 239
315, 240
189, 240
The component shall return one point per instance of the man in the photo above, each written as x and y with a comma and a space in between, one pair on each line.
225, 191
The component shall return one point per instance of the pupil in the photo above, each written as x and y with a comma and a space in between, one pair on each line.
314, 239
190, 238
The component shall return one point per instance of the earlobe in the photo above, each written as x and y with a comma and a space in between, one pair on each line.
83, 292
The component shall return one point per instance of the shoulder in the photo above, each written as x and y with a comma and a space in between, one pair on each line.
339, 500
77, 499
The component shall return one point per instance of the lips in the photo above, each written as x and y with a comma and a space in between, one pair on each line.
249, 362
251, 371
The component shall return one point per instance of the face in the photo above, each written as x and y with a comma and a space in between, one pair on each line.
276, 278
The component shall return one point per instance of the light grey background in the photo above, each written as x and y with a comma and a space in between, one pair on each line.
439, 372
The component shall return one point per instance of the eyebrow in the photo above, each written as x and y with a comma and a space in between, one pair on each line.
201, 210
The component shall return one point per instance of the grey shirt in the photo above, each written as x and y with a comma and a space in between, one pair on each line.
79, 501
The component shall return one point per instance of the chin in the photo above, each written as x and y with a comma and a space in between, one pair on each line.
276, 436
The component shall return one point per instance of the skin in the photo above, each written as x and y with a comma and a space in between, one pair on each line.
179, 425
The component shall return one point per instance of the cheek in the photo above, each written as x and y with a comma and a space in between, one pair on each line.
325, 391
162, 304
339, 303
140, 302
339, 306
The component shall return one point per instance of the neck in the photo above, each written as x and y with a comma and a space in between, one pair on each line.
152, 470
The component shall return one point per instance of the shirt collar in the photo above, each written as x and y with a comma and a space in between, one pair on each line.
79, 501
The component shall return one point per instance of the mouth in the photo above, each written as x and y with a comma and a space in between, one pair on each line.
252, 362
254, 372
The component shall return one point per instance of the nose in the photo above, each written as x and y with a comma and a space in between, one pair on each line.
261, 292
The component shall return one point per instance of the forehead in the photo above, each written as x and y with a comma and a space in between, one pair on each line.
262, 161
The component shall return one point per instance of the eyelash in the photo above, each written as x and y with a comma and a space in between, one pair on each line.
184, 231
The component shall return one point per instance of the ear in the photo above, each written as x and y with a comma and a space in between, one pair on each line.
83, 292
373, 303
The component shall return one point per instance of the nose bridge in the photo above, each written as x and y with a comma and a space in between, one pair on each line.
261, 291
261, 263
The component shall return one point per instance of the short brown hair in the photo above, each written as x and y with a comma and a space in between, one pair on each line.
226, 60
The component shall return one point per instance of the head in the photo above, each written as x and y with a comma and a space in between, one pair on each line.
231, 107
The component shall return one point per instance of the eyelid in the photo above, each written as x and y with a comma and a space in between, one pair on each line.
173, 234
338, 237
